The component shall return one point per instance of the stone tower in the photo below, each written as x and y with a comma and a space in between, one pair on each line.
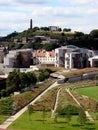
31, 25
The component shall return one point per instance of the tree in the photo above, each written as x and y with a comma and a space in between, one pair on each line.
82, 117
66, 30
30, 110
31, 79
59, 29
44, 74
44, 28
50, 46
3, 93
23, 80
43, 110
68, 114
35, 28
13, 80
78, 34
94, 33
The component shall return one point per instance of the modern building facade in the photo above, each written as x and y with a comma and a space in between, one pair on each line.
68, 57
72, 57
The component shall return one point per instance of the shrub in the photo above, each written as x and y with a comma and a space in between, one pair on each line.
3, 93
73, 110
6, 106
23, 99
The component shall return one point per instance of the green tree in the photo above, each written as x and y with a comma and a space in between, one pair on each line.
3, 93
66, 30
13, 80
30, 110
94, 33
68, 114
31, 78
78, 34
23, 80
43, 74
35, 29
43, 110
59, 29
82, 117
50, 46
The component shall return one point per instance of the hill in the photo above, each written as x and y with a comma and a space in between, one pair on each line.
71, 38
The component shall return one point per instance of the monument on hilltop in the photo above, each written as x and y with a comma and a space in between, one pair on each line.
31, 24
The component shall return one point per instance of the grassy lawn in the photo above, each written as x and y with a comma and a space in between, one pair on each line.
3, 118
89, 91
80, 71
36, 123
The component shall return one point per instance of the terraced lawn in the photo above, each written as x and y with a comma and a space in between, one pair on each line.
36, 123
3, 118
91, 92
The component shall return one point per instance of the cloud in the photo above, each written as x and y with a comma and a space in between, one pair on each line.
75, 14
32, 1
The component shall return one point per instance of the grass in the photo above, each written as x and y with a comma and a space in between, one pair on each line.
36, 123
26, 97
47, 100
91, 92
3, 118
80, 72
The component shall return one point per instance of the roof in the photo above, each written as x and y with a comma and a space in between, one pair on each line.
52, 53
94, 57
44, 53
41, 54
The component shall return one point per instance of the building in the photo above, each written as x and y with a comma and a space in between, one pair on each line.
53, 28
72, 57
18, 58
3, 52
93, 59
44, 57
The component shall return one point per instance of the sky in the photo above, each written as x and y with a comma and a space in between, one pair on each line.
78, 15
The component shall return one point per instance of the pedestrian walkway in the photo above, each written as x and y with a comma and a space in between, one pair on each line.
56, 103
86, 112
11, 119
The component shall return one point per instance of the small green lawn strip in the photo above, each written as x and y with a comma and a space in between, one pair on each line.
36, 123
3, 118
91, 92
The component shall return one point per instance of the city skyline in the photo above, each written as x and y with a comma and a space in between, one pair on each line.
74, 14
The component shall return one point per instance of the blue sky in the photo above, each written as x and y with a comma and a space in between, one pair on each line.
79, 15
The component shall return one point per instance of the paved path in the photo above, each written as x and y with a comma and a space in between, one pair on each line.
56, 102
86, 112
14, 117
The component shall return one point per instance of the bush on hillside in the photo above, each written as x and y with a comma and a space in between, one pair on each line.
3, 93
73, 110
23, 99
6, 106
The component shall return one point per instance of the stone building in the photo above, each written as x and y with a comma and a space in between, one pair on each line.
18, 58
